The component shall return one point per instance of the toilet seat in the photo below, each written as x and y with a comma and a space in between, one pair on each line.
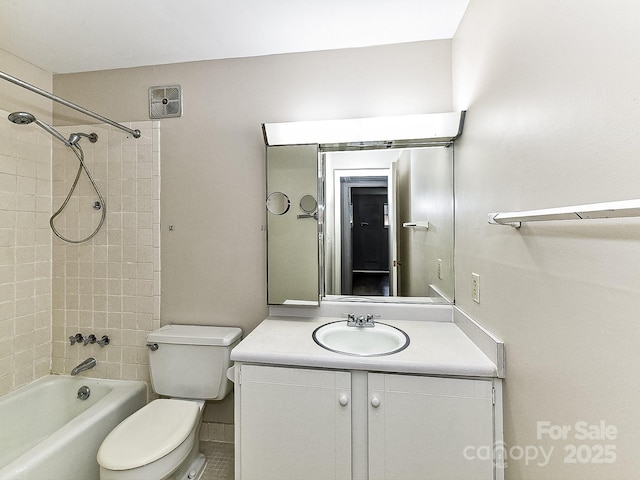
149, 434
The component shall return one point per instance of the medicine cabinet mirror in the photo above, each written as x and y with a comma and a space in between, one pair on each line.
292, 232
367, 221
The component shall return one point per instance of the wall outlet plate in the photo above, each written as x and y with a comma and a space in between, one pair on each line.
475, 287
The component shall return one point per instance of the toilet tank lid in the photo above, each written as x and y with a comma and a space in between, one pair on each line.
195, 335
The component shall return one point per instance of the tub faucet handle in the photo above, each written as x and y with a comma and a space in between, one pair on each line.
104, 341
90, 339
77, 338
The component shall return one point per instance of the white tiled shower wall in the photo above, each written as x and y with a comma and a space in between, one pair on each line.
109, 285
25, 254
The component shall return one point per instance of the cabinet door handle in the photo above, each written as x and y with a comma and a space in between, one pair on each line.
344, 400
375, 401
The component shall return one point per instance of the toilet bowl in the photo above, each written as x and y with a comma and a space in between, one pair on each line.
161, 440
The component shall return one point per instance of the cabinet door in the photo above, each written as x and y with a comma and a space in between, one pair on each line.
429, 428
294, 424
292, 242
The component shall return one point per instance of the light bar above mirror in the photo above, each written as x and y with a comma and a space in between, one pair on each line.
364, 133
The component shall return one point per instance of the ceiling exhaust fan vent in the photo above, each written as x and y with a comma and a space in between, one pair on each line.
165, 102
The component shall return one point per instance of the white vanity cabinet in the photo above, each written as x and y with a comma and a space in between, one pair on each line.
292, 423
423, 428
299, 424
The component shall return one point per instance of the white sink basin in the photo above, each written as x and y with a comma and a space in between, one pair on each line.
362, 341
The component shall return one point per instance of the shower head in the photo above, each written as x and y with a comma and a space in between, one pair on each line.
21, 118
24, 118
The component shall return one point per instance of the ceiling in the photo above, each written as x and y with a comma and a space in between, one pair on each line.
67, 36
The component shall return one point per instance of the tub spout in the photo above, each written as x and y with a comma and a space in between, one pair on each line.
86, 365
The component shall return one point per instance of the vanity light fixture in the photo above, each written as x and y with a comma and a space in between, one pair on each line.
392, 131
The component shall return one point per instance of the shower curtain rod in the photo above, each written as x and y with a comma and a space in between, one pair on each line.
55, 98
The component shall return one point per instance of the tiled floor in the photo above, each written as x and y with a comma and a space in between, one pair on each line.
219, 460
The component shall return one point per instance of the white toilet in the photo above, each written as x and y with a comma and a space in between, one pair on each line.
161, 440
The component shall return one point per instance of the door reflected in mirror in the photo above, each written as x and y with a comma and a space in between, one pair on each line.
369, 195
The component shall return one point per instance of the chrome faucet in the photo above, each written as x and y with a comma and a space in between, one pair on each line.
361, 320
86, 365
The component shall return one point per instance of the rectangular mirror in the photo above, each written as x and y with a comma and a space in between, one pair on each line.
358, 217
389, 224
292, 225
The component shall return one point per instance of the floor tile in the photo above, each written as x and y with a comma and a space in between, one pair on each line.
219, 460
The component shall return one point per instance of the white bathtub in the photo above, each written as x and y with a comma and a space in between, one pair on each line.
46, 432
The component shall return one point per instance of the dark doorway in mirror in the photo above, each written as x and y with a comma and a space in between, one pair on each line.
365, 249
370, 234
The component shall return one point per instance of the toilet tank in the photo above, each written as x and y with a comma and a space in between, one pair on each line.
191, 361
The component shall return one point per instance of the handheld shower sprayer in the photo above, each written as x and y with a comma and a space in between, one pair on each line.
21, 118
25, 118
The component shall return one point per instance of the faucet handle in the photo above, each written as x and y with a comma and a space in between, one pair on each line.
104, 341
77, 338
90, 339
369, 322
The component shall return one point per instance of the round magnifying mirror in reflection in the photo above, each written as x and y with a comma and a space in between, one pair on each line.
278, 203
308, 204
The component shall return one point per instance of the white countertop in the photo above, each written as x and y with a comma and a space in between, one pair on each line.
435, 348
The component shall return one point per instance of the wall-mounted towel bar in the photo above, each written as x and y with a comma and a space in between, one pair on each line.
424, 224
308, 215
624, 208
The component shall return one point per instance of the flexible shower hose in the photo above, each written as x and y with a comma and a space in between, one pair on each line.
77, 149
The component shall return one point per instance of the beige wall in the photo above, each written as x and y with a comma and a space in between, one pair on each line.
213, 180
25, 254
552, 94
25, 239
14, 98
